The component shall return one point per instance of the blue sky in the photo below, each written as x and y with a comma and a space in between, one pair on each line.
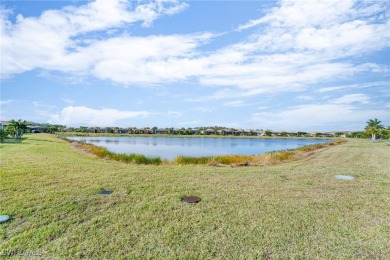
280, 65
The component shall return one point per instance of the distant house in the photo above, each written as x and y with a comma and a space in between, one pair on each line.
161, 131
193, 131
208, 131
36, 129
123, 131
240, 132
258, 133
144, 131
3, 125
225, 132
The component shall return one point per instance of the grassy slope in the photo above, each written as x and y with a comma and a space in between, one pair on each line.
289, 210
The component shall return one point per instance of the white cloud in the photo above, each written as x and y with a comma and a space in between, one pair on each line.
41, 105
303, 97
6, 102
173, 114
238, 103
300, 14
299, 44
352, 98
76, 116
67, 100
205, 109
376, 84
146, 60
323, 117
25, 45
311, 35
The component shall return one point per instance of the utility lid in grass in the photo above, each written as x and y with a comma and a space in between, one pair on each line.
4, 218
105, 192
191, 199
344, 177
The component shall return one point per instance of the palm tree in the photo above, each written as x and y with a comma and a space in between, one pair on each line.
18, 127
373, 128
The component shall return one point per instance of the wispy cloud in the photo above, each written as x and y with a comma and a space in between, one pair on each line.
384, 84
300, 44
172, 114
67, 101
304, 97
204, 109
6, 102
238, 103
322, 117
41, 105
352, 98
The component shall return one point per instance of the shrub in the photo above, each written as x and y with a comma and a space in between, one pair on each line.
192, 160
3, 135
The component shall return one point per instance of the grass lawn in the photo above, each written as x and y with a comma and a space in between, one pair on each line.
291, 210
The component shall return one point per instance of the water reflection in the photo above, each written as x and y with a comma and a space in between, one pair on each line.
171, 147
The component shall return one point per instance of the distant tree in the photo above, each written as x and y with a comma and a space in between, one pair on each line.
53, 129
17, 128
338, 134
82, 129
3, 135
302, 134
374, 128
188, 131
267, 132
9, 131
154, 129
386, 133
284, 134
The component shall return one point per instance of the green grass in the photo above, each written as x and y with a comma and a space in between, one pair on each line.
11, 141
290, 210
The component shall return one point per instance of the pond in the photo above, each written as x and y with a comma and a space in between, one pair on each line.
171, 147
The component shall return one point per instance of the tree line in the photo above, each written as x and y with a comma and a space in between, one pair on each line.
16, 128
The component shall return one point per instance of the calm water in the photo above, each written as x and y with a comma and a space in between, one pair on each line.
170, 147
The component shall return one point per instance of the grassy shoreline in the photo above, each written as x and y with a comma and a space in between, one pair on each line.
289, 210
269, 158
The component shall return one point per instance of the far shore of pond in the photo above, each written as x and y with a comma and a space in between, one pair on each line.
65, 134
